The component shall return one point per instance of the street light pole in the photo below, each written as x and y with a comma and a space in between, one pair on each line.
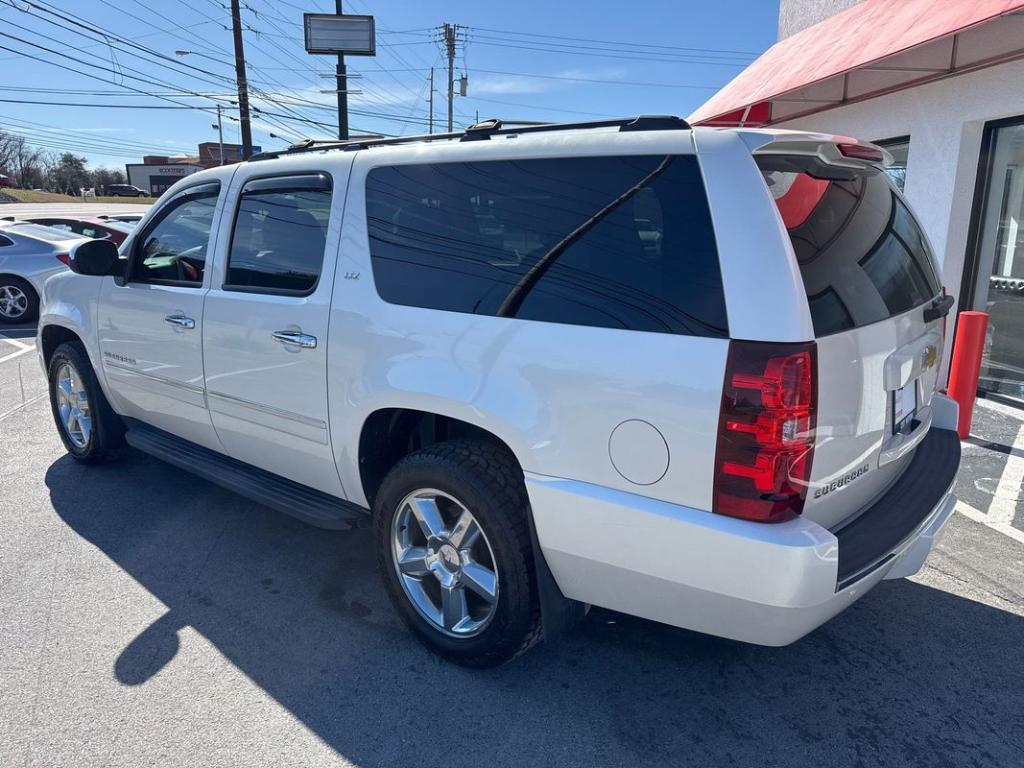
342, 80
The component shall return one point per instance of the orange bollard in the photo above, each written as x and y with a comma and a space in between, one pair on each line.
965, 365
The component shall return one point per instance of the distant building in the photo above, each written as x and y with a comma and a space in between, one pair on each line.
938, 84
209, 153
157, 177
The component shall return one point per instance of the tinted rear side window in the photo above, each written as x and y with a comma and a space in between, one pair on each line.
615, 242
279, 236
862, 255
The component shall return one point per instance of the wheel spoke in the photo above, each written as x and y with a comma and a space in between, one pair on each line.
481, 580
413, 562
84, 426
464, 532
453, 606
428, 516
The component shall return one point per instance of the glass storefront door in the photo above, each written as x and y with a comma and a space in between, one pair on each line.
999, 286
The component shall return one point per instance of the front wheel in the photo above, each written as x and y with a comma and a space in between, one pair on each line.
87, 425
454, 551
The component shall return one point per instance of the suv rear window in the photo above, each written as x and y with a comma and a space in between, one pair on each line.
614, 242
862, 255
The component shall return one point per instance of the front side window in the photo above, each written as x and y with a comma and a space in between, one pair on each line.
279, 235
173, 247
613, 242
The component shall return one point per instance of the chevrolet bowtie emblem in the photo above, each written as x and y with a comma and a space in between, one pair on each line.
928, 356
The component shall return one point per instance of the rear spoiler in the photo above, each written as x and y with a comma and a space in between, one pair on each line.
829, 148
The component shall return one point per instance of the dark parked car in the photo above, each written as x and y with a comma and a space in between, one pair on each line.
86, 226
126, 190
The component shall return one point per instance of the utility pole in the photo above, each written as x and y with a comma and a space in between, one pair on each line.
342, 81
431, 100
243, 88
450, 31
220, 132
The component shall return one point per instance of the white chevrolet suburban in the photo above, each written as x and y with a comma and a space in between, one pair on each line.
686, 374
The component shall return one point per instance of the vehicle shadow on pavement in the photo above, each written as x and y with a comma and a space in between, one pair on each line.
911, 675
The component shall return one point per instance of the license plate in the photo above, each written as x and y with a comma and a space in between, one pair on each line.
904, 406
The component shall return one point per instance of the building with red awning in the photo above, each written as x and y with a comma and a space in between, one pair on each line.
938, 83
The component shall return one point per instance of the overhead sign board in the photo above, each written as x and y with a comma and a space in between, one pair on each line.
333, 33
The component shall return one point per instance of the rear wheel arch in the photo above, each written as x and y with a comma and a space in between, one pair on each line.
388, 435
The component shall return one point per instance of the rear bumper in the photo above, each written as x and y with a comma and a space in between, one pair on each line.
764, 584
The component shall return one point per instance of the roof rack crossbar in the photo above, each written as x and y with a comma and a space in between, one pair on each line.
484, 130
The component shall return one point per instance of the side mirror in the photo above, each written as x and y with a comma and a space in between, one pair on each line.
97, 258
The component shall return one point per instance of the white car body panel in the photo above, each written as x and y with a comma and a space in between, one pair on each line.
155, 369
554, 393
269, 402
759, 274
624, 521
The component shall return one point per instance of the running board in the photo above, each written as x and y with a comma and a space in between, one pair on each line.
305, 503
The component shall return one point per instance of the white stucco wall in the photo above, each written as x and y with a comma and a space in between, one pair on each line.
945, 121
795, 15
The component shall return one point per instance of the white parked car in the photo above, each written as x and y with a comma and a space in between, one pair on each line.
688, 375
29, 254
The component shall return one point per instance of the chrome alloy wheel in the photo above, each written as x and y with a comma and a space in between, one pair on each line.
73, 405
444, 562
13, 302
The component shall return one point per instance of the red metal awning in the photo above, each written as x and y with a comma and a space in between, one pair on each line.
870, 49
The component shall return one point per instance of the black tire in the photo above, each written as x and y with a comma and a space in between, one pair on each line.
106, 432
141, 194
485, 479
31, 312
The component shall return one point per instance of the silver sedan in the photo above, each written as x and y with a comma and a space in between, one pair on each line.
29, 253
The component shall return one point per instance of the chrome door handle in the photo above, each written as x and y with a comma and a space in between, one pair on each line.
180, 321
295, 339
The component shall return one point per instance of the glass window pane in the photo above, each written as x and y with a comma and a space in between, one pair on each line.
619, 242
174, 249
279, 238
900, 151
862, 255
1000, 281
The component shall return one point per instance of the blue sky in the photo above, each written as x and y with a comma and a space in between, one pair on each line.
525, 60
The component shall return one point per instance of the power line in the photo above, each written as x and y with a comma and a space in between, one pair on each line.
619, 43
100, 106
538, 106
610, 54
630, 83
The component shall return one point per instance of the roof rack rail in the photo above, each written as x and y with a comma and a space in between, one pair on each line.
484, 130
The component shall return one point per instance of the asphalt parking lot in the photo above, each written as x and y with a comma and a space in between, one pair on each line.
150, 618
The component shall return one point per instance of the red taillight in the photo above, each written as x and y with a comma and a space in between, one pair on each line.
766, 431
861, 152
63, 258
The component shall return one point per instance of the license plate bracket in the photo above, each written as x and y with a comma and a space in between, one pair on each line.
904, 408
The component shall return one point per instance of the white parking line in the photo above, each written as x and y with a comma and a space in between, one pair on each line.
16, 342
1004, 502
978, 516
1003, 507
17, 408
19, 353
